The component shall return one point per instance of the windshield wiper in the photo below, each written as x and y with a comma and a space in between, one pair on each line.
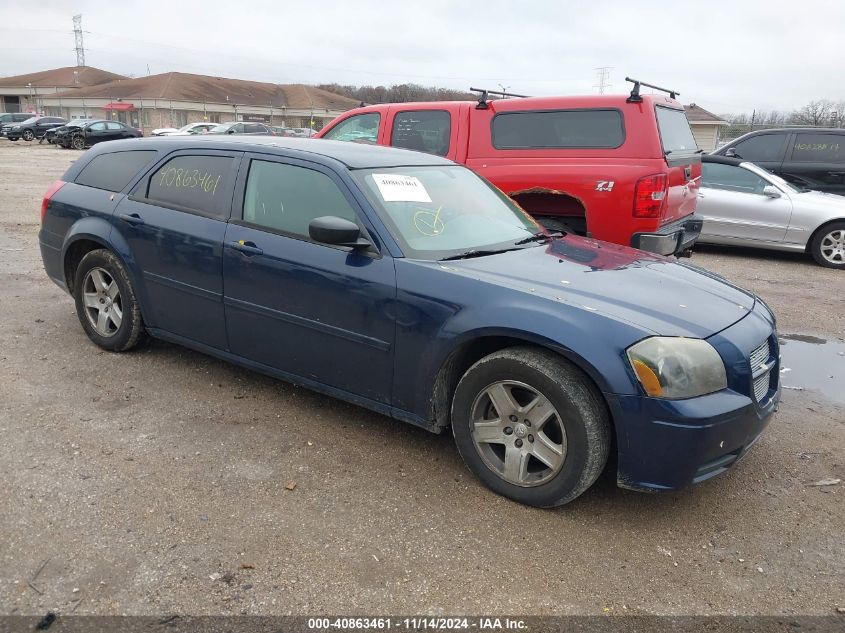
540, 236
477, 253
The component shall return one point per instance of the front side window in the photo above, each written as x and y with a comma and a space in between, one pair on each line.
766, 147
731, 178
436, 212
194, 183
114, 171
97, 127
423, 131
558, 129
361, 128
819, 148
285, 198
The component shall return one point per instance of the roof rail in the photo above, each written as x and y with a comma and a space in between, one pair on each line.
482, 97
635, 91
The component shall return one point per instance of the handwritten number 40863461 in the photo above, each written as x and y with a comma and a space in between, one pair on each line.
189, 178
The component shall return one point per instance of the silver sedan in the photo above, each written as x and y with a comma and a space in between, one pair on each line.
744, 204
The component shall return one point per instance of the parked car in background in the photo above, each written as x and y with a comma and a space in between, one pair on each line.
280, 130
405, 283
9, 119
161, 131
619, 168
50, 135
192, 128
743, 204
242, 127
302, 132
93, 132
809, 158
34, 127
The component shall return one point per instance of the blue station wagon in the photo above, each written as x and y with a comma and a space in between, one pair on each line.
407, 284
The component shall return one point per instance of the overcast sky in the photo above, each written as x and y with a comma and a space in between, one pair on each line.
725, 56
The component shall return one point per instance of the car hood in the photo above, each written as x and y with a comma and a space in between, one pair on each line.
651, 292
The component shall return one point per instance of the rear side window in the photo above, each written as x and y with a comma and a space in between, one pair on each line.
423, 131
361, 128
114, 171
819, 148
286, 198
766, 147
596, 129
675, 132
194, 183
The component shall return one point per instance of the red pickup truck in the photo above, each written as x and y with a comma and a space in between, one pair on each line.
624, 168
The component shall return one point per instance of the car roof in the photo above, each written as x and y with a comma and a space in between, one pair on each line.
353, 155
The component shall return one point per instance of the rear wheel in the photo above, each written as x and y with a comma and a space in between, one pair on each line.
106, 303
828, 246
28, 135
531, 426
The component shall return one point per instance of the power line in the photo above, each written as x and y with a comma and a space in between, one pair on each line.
77, 33
603, 78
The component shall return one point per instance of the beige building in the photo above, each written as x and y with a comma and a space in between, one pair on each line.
174, 99
705, 125
24, 93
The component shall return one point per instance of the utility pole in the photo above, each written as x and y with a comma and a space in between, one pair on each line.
753, 116
603, 78
77, 33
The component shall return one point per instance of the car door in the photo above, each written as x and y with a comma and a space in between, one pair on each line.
319, 312
96, 132
174, 222
115, 131
733, 204
817, 161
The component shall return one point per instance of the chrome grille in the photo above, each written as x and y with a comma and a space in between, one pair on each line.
758, 357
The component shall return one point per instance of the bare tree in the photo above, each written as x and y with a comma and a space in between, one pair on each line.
816, 113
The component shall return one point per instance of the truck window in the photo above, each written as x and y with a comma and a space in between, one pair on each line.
423, 131
114, 171
675, 132
361, 128
819, 148
594, 128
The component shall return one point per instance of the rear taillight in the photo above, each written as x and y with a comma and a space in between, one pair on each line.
650, 196
47, 196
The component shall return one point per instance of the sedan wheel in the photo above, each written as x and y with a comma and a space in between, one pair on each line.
828, 246
518, 433
102, 301
28, 135
77, 142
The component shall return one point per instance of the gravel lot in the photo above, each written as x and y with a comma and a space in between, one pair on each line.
158, 481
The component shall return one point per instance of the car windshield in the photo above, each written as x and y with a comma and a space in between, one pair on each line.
32, 119
221, 128
444, 211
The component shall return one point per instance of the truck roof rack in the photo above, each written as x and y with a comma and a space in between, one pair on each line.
483, 93
635, 91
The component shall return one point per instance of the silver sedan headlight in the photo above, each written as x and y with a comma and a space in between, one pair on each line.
676, 367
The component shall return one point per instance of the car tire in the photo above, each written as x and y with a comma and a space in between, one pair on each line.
28, 135
828, 245
77, 142
106, 303
544, 463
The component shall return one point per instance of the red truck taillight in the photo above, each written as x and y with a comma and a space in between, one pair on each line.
650, 196
50, 193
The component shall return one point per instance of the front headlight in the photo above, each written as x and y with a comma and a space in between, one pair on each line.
675, 368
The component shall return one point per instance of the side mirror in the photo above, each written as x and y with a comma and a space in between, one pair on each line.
230, 131
730, 152
770, 191
330, 229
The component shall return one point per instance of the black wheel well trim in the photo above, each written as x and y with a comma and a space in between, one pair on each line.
470, 351
818, 229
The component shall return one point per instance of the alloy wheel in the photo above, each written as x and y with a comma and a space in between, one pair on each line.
832, 247
518, 433
102, 302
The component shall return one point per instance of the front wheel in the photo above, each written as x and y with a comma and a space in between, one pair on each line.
531, 426
28, 135
828, 246
77, 142
106, 303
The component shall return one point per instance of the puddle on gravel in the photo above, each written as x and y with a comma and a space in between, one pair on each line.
813, 363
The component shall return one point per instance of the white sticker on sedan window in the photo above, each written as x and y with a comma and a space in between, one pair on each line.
398, 188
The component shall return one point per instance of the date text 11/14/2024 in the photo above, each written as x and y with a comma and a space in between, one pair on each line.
416, 623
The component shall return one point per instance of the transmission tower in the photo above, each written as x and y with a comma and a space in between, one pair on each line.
77, 33
603, 78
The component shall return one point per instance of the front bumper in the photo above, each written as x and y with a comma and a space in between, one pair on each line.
672, 444
670, 239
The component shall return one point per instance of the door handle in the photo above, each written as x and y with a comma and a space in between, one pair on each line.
131, 218
247, 248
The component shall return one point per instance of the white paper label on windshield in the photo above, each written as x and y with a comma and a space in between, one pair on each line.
397, 188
